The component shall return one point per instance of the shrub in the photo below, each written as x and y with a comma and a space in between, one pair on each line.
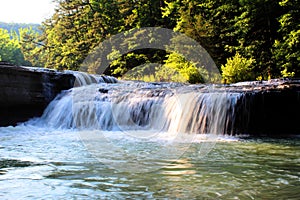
237, 69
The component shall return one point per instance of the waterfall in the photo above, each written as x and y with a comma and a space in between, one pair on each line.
163, 107
83, 79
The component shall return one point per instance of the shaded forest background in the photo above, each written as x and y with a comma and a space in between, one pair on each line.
247, 39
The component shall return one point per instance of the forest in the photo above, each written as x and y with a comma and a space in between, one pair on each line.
247, 39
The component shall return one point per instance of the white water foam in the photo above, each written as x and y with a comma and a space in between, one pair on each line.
141, 106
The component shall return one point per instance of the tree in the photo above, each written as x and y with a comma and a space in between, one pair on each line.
287, 47
206, 21
10, 49
78, 26
226, 27
15, 27
31, 48
255, 30
75, 29
266, 31
145, 13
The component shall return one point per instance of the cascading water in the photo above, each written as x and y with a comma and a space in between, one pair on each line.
125, 116
166, 107
83, 79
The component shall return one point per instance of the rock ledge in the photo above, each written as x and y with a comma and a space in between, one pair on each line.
25, 92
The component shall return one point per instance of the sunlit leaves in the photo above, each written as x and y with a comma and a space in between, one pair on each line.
237, 69
266, 31
287, 48
10, 49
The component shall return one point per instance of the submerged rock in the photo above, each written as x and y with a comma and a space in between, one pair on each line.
102, 90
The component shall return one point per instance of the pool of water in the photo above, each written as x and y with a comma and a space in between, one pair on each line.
42, 164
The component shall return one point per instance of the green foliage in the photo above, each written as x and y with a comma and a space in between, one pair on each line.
10, 49
287, 48
15, 27
121, 65
175, 68
237, 69
17, 46
32, 49
265, 31
255, 31
178, 69
78, 27
145, 72
208, 22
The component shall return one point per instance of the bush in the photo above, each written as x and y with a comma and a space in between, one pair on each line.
237, 69
178, 69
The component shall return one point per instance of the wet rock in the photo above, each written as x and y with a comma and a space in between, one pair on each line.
25, 92
102, 90
272, 110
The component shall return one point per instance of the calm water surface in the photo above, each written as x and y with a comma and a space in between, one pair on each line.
40, 164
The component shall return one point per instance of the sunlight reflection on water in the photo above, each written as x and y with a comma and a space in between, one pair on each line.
58, 164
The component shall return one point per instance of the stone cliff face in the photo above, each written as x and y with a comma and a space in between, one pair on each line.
25, 93
268, 109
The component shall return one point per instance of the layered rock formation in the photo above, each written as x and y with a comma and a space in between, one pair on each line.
270, 108
25, 92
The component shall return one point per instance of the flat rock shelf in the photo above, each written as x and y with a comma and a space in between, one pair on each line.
25, 92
